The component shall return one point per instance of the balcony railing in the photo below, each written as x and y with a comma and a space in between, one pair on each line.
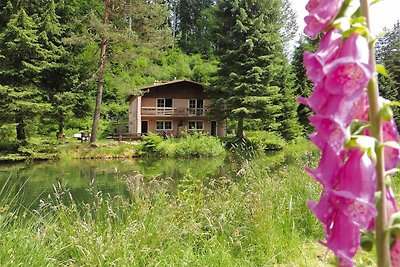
173, 112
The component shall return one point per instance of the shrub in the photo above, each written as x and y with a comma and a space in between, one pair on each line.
197, 145
265, 140
149, 144
256, 141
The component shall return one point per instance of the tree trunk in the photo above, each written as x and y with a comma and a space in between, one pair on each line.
239, 133
19, 119
100, 79
60, 133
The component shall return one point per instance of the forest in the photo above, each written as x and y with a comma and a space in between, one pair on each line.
61, 62
245, 199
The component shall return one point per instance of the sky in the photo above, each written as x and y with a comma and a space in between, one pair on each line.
383, 14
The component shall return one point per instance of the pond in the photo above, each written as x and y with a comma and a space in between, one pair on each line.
83, 178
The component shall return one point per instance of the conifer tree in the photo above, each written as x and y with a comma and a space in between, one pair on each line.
145, 27
57, 80
249, 84
289, 127
302, 86
193, 29
22, 60
388, 54
6, 12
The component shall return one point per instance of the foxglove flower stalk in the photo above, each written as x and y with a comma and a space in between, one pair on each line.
340, 70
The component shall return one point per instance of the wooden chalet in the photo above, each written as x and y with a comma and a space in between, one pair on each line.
168, 108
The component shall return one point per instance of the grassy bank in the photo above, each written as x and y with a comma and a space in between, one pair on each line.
153, 145
103, 150
255, 218
189, 146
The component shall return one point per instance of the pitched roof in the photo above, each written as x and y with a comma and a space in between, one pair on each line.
162, 84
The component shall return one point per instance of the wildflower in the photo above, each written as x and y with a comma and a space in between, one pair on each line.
350, 72
326, 52
321, 14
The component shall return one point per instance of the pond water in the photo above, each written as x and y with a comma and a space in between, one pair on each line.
34, 181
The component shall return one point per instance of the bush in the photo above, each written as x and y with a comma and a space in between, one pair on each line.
197, 145
9, 147
256, 141
149, 144
265, 140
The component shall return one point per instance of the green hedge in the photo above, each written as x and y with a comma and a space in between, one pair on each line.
197, 145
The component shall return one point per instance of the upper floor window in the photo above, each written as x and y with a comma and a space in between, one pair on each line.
196, 107
164, 102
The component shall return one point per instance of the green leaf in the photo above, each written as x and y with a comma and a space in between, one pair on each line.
382, 70
386, 113
375, 2
395, 218
366, 243
395, 230
392, 171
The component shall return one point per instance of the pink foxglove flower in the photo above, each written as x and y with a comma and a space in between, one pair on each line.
321, 14
331, 131
355, 192
347, 202
340, 70
326, 52
343, 239
392, 155
350, 73
324, 103
389, 130
328, 168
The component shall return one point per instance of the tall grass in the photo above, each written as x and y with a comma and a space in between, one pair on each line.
257, 217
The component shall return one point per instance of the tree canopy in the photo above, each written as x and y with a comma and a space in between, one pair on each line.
50, 51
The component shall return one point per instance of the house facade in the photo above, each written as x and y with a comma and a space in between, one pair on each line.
168, 108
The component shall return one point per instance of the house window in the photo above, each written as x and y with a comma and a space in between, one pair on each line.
163, 125
196, 107
164, 102
196, 125
164, 106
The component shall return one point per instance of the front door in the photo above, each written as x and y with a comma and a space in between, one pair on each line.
145, 127
214, 128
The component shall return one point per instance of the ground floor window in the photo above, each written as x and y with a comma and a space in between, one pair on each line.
196, 125
164, 125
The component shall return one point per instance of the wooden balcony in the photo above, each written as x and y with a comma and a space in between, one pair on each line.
174, 112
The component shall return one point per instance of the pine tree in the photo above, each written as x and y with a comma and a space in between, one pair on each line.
192, 26
388, 54
57, 80
22, 60
302, 86
7, 10
290, 127
100, 80
145, 27
249, 84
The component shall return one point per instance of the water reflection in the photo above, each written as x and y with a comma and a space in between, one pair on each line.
35, 181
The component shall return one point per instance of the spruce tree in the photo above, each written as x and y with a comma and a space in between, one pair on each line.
22, 60
302, 86
58, 79
7, 10
248, 84
388, 54
193, 29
